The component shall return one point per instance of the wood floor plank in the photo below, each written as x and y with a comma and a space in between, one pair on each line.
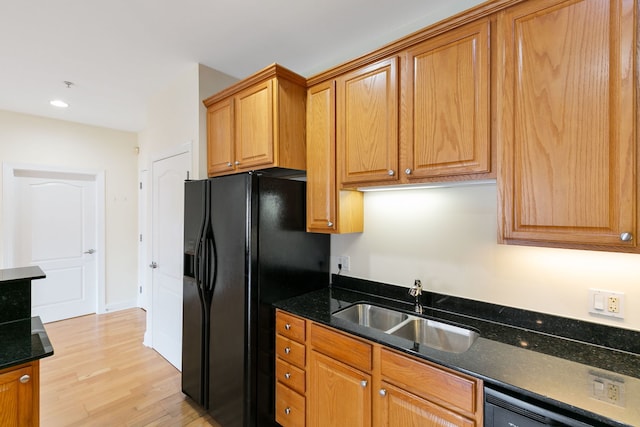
102, 375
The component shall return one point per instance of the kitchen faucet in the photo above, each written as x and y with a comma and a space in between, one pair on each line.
416, 291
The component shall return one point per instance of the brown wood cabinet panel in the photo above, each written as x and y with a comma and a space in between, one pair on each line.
220, 134
19, 396
290, 326
290, 351
291, 376
349, 350
400, 408
446, 388
566, 106
290, 407
340, 394
329, 210
367, 123
446, 95
254, 126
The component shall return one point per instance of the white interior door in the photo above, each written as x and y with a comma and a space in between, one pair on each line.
168, 176
54, 226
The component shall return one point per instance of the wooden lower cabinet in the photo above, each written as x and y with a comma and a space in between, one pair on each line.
401, 408
339, 395
19, 395
350, 381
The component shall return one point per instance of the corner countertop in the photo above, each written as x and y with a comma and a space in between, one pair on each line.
23, 341
33, 272
550, 369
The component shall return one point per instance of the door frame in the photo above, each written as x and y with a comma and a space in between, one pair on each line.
147, 243
8, 215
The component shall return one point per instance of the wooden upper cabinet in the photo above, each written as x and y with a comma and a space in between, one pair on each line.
257, 123
567, 124
220, 143
446, 93
329, 210
254, 120
367, 123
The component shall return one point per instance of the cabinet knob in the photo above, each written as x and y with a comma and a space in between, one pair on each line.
287, 411
382, 392
626, 237
25, 379
287, 326
229, 164
287, 375
236, 162
407, 171
329, 224
363, 383
287, 350
391, 172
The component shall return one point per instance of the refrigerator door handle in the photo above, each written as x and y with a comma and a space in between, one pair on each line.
211, 260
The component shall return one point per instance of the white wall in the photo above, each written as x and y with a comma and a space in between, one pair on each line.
176, 116
35, 140
447, 238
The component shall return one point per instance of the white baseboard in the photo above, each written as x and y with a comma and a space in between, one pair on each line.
120, 306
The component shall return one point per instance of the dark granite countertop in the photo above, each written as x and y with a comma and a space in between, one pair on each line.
517, 351
23, 341
9, 275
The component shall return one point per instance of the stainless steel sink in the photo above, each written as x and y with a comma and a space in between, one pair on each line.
429, 332
372, 316
434, 334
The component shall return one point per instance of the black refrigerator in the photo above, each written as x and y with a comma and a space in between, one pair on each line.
245, 246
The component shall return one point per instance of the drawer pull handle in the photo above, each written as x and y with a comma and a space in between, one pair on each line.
287, 350
25, 379
382, 392
287, 326
363, 383
626, 237
287, 411
287, 375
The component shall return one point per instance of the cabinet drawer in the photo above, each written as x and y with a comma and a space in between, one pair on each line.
290, 326
348, 350
290, 351
290, 375
290, 407
429, 382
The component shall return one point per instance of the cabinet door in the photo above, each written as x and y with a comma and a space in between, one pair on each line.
16, 398
254, 111
566, 120
367, 121
339, 395
321, 158
400, 408
220, 129
446, 91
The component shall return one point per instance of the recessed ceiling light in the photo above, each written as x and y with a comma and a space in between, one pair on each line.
59, 103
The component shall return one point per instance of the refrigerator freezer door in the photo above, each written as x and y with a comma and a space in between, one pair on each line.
227, 375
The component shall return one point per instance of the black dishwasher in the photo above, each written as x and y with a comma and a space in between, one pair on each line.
505, 410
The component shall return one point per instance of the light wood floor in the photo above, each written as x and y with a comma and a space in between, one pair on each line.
102, 375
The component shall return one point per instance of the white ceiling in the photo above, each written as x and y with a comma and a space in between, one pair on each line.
118, 53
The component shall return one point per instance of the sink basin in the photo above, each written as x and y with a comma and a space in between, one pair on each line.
434, 334
428, 332
372, 316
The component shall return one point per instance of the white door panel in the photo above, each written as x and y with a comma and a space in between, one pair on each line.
54, 226
168, 177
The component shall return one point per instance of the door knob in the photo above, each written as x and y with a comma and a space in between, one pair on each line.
153, 264
90, 251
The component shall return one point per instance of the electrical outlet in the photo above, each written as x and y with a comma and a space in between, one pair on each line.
345, 261
606, 303
607, 388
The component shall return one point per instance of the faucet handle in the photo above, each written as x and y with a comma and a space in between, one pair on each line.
416, 289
